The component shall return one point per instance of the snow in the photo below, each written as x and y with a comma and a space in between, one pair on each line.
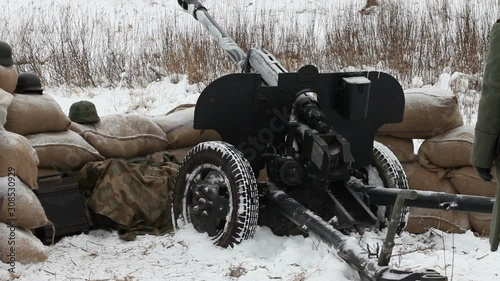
189, 255
156, 99
357, 80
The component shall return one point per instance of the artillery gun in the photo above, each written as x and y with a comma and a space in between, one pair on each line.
314, 135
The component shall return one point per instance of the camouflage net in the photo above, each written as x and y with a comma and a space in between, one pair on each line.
133, 198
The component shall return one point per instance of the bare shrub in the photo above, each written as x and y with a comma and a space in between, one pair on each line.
237, 271
86, 48
301, 276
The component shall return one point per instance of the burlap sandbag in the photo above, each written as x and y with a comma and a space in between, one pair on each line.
180, 153
449, 150
8, 78
63, 151
20, 203
428, 112
420, 177
480, 223
420, 220
27, 248
17, 154
125, 136
79, 128
178, 126
31, 114
5, 101
402, 148
466, 181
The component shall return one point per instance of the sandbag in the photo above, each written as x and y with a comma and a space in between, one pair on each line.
5, 101
480, 223
79, 128
421, 178
25, 248
428, 112
420, 220
466, 181
63, 151
448, 150
180, 153
8, 78
20, 203
31, 114
125, 136
402, 148
17, 154
178, 126
132, 198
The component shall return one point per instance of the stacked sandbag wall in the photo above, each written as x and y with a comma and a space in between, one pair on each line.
16, 153
449, 154
20, 209
177, 125
40, 119
122, 136
429, 114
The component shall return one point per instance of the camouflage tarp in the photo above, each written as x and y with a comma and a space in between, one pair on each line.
133, 198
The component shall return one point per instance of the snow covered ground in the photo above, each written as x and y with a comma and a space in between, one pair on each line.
188, 255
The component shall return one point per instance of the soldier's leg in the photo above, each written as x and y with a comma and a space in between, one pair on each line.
495, 218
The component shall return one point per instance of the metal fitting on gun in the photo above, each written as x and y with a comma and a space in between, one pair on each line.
191, 6
308, 109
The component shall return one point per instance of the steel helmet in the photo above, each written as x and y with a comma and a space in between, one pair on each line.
83, 112
5, 54
28, 83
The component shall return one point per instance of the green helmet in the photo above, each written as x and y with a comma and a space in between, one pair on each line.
5, 54
28, 83
83, 112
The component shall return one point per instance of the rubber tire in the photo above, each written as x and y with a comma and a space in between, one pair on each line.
392, 174
244, 197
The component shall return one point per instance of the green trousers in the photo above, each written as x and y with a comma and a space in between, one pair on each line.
495, 217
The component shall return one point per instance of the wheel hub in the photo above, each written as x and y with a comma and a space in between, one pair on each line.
209, 205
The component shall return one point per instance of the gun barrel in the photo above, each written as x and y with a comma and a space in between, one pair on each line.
200, 13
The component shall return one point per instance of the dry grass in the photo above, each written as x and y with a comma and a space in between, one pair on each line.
371, 3
301, 276
90, 49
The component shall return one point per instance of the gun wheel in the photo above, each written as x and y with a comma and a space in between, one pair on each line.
392, 175
216, 191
